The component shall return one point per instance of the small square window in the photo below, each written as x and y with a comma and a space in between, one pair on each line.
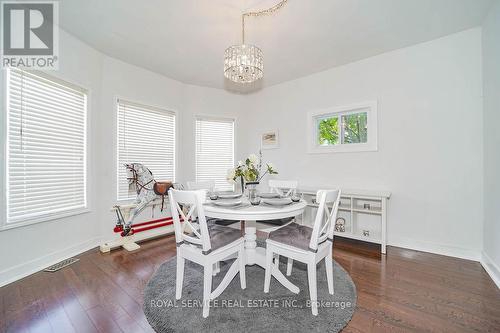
344, 129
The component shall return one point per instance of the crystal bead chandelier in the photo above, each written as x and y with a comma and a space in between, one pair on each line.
245, 63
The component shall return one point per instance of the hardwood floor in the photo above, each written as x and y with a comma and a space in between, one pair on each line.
401, 292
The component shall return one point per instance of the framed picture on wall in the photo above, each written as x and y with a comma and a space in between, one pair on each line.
269, 139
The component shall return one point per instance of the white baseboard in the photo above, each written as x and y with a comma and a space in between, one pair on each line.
491, 268
22, 270
442, 249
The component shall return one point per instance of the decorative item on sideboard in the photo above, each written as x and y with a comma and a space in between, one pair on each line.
340, 224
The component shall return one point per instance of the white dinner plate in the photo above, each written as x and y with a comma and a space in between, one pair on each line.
227, 203
228, 195
277, 201
269, 195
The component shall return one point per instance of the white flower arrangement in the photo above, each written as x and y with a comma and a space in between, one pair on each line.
250, 169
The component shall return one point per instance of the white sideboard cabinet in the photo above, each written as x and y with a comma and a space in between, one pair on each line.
364, 213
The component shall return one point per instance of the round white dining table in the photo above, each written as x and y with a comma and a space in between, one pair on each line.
250, 214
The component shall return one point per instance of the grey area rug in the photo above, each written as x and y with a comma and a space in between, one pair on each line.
237, 310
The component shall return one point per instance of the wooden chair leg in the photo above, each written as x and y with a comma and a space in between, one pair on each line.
277, 261
289, 265
329, 272
179, 278
269, 264
207, 288
313, 293
241, 258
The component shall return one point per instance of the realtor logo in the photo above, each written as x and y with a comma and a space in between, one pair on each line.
30, 34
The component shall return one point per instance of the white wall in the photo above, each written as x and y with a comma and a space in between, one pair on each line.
491, 95
30, 248
433, 171
429, 138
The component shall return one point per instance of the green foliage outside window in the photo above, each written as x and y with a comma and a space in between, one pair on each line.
354, 129
328, 131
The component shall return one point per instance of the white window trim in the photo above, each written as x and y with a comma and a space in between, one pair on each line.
3, 153
215, 118
45, 218
312, 130
116, 101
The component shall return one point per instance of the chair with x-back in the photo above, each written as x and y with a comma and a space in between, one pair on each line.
208, 185
284, 188
307, 245
204, 244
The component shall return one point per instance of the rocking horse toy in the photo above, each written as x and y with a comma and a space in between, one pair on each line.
140, 179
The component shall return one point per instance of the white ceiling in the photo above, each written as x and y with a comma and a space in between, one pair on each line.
185, 39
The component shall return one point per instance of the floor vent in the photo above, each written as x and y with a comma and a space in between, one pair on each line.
61, 264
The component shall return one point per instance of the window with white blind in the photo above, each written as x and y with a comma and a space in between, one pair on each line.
214, 150
145, 135
46, 147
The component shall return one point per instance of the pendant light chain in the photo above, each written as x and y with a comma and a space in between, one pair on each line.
245, 63
268, 11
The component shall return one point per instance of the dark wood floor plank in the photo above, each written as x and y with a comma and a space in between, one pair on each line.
64, 295
103, 321
109, 296
414, 315
54, 309
13, 311
427, 282
3, 306
434, 292
431, 304
33, 310
405, 291
78, 316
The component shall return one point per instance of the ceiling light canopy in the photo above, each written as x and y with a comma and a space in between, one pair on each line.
245, 63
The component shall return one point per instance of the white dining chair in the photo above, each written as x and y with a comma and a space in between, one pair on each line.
204, 244
208, 185
283, 187
307, 245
